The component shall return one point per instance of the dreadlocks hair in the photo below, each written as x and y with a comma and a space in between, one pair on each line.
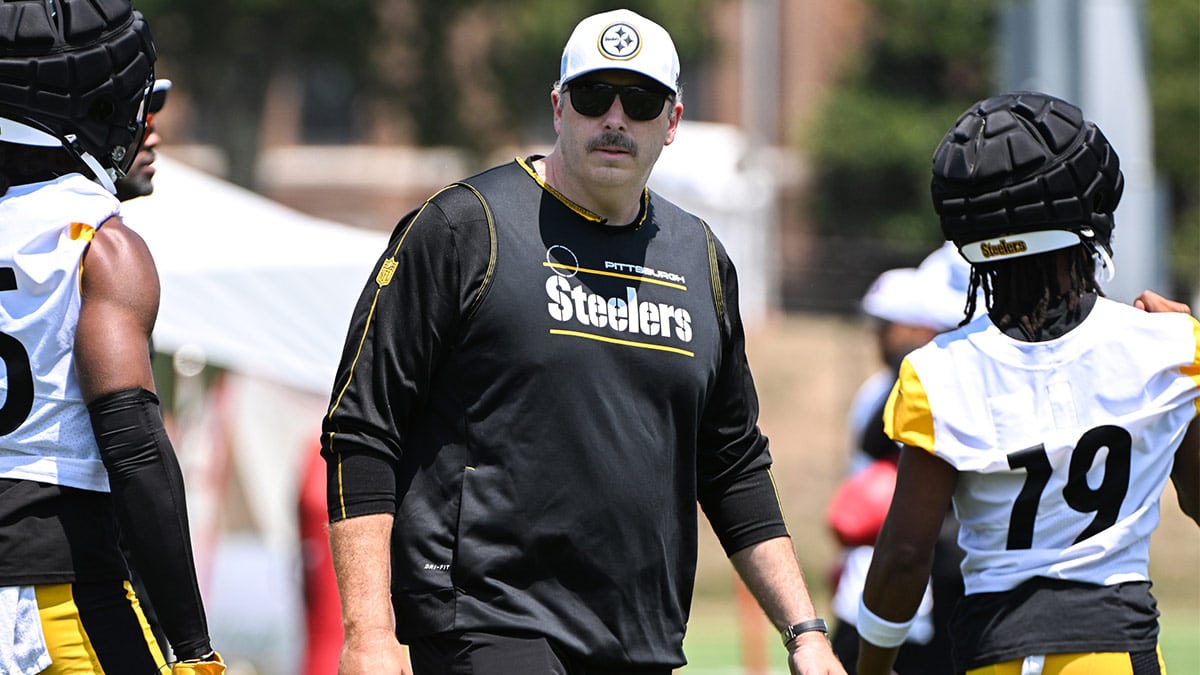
1026, 188
1021, 291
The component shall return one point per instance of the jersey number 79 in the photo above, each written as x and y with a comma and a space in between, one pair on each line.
1104, 500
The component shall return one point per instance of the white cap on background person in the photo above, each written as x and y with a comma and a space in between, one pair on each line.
947, 263
915, 296
622, 40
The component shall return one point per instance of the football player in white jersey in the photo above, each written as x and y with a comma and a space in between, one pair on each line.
1052, 421
83, 451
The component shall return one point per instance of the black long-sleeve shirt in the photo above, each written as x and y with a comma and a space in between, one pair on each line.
541, 399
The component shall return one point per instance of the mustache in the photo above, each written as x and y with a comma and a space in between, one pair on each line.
612, 139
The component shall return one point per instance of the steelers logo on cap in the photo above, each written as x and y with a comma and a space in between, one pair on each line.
620, 41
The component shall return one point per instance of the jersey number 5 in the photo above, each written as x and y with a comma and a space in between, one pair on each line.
1104, 500
18, 400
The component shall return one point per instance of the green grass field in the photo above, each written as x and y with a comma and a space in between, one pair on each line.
713, 644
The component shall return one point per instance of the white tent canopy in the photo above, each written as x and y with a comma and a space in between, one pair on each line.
249, 284
264, 292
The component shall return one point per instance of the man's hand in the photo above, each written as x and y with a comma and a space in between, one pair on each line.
1149, 301
810, 654
374, 653
772, 575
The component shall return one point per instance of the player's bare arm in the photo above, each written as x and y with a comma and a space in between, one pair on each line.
120, 292
903, 555
120, 303
1185, 475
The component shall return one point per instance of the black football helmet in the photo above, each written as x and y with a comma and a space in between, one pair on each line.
1024, 173
76, 74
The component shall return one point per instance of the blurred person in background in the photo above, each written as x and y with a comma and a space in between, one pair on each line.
1052, 421
323, 634
908, 306
83, 451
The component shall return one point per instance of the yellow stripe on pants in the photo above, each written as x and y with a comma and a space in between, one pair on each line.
1089, 663
72, 651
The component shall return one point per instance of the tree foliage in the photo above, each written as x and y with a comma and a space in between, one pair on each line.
411, 56
1174, 55
921, 65
870, 146
224, 53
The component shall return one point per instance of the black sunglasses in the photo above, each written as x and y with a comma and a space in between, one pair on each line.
593, 99
158, 98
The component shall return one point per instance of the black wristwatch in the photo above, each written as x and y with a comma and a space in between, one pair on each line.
793, 631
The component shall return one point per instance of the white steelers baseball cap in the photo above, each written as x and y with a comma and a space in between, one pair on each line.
623, 40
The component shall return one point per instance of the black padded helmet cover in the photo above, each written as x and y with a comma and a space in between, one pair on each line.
78, 68
1029, 164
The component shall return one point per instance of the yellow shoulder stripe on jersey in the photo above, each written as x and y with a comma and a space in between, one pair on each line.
82, 231
1193, 371
85, 232
907, 417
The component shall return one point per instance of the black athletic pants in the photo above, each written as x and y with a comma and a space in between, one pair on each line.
462, 653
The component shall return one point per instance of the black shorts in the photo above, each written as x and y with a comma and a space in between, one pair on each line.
469, 653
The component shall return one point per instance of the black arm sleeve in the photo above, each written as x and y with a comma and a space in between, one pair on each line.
147, 492
734, 482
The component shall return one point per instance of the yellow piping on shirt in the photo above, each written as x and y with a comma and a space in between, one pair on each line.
382, 278
576, 207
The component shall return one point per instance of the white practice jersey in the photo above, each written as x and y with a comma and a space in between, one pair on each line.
45, 431
1063, 447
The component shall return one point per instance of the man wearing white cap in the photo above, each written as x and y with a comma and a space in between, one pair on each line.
909, 306
543, 377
